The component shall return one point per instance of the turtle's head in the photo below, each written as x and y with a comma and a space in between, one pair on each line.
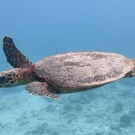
9, 78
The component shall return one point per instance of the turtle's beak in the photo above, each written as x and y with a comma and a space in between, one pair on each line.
7, 79
2, 80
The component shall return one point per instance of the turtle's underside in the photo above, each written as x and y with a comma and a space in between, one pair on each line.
63, 73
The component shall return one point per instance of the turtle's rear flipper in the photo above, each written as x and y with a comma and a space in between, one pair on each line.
41, 89
13, 55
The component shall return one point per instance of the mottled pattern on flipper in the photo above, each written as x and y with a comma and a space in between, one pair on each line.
41, 89
13, 55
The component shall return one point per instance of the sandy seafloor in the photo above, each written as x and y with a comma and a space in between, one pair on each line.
108, 110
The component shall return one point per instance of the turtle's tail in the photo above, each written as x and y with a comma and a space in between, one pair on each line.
131, 73
133, 61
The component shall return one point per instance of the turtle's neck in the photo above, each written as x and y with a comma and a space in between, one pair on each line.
26, 75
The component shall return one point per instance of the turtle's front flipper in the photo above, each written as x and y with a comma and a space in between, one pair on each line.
13, 55
41, 89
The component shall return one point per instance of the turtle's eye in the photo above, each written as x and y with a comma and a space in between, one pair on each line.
2, 78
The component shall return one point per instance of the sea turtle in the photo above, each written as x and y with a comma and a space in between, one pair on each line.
63, 73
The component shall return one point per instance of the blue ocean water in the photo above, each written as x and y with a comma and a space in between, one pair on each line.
44, 28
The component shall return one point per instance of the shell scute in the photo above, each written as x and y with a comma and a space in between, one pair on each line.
84, 69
